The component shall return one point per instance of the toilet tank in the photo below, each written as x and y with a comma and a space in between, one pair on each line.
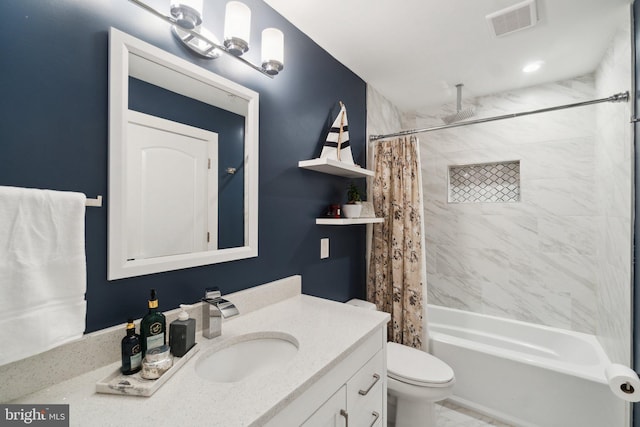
362, 304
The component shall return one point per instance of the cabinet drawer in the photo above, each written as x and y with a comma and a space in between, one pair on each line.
367, 417
366, 390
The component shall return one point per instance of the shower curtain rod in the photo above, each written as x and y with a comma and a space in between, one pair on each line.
618, 97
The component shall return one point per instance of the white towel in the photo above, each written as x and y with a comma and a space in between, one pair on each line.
42, 270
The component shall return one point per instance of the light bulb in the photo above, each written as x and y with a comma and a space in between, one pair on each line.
272, 50
237, 27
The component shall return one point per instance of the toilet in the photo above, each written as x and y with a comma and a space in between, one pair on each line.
415, 380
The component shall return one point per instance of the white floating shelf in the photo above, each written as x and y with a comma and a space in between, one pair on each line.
335, 167
347, 221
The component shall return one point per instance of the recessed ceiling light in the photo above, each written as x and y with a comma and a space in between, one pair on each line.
532, 66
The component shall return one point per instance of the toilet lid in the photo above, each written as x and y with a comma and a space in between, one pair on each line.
415, 366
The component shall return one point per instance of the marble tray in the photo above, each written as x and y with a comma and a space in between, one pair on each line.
135, 385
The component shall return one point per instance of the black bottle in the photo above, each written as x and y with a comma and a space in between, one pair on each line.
153, 326
131, 350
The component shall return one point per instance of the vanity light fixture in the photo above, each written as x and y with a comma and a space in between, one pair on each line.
186, 24
188, 13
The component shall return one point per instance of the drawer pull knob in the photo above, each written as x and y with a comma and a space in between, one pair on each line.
345, 414
376, 378
375, 419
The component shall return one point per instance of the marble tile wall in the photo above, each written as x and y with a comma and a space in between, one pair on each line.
383, 116
614, 176
531, 260
562, 255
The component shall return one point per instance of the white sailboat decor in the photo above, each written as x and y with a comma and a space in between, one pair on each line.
337, 145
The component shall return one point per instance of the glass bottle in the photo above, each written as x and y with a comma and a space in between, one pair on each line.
153, 326
131, 350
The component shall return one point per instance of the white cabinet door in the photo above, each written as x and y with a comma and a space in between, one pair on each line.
332, 413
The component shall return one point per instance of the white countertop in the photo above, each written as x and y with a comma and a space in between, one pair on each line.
327, 331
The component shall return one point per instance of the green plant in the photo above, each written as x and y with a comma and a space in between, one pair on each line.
353, 194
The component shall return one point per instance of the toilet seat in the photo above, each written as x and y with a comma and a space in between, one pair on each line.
416, 367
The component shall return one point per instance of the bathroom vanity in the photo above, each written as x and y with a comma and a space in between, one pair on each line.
355, 388
338, 371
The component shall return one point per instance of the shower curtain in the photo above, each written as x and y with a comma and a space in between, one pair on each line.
396, 266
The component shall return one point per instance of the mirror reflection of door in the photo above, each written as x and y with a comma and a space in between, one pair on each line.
147, 98
171, 198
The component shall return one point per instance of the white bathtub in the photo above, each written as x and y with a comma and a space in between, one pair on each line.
525, 374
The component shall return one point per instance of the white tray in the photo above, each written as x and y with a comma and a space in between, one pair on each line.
135, 385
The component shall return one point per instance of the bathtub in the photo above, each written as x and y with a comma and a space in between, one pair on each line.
525, 374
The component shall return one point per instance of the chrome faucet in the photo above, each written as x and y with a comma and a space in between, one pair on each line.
213, 310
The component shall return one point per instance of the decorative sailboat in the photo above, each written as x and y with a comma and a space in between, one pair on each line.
337, 145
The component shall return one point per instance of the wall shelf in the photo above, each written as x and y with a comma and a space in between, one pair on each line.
335, 167
347, 221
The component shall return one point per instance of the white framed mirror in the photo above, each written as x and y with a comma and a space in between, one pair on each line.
173, 201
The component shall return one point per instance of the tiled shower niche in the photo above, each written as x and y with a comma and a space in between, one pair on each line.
485, 183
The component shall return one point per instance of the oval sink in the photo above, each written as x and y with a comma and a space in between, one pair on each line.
247, 355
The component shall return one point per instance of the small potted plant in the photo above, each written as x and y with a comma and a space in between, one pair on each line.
353, 207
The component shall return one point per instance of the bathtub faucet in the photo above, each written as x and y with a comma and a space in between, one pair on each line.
214, 308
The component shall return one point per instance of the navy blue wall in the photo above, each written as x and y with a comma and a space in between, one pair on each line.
53, 122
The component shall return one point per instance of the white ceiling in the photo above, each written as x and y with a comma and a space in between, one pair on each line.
414, 51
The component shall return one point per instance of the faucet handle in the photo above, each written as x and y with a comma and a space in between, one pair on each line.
212, 293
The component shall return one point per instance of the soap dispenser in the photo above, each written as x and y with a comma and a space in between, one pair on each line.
182, 333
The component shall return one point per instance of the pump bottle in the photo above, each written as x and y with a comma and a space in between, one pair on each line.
182, 333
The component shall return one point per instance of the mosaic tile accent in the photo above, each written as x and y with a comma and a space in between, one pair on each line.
487, 183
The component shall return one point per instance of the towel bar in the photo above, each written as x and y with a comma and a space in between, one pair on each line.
97, 202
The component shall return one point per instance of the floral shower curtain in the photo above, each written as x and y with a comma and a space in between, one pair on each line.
395, 282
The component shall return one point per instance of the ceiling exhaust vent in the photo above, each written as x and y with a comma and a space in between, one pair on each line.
514, 18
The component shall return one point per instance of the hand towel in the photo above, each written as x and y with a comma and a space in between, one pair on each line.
42, 270
41, 328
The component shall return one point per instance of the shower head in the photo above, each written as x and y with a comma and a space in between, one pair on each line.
460, 114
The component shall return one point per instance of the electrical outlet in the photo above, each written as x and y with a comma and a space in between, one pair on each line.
324, 248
